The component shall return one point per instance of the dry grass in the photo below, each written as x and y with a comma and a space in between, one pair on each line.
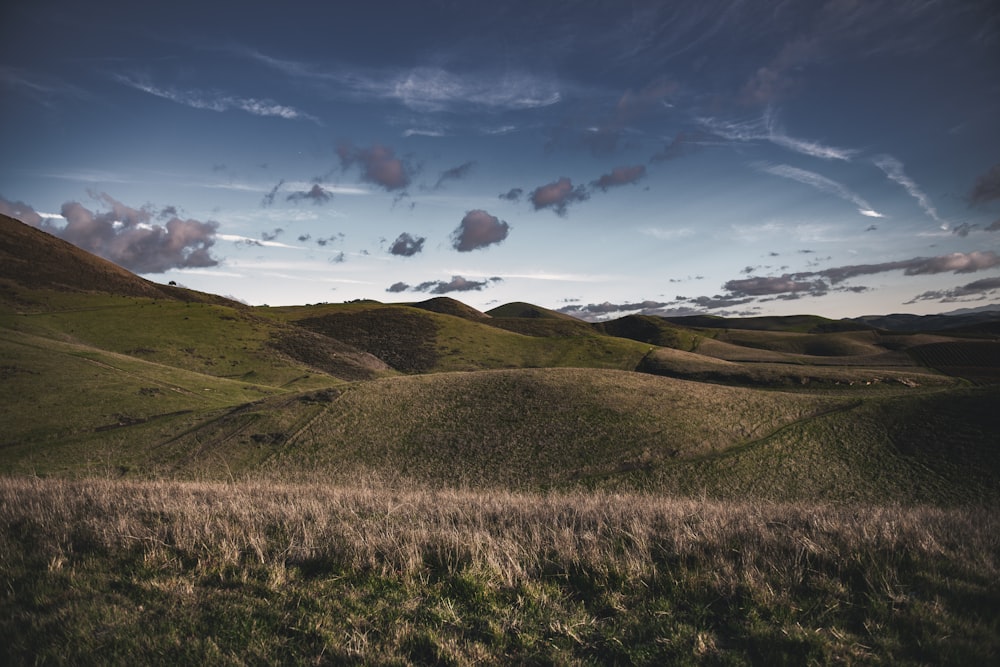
99, 571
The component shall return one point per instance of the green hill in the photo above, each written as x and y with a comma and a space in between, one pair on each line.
114, 373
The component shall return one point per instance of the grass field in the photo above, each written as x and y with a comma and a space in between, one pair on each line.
232, 574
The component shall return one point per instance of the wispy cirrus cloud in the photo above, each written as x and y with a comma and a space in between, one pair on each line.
893, 168
219, 102
425, 88
767, 128
821, 183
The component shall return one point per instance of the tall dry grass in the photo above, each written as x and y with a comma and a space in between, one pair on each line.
878, 584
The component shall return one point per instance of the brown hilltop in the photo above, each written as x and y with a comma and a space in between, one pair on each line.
34, 259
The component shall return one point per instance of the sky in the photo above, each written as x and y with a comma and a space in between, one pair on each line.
601, 158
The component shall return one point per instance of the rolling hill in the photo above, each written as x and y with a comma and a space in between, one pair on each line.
110, 372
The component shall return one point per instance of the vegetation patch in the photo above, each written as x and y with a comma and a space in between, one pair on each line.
402, 338
203, 573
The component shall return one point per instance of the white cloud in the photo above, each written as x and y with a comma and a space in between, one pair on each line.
768, 129
821, 183
218, 102
667, 234
893, 168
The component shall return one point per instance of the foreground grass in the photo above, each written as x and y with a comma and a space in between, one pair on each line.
138, 572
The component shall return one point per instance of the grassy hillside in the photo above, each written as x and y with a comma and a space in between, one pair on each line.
414, 340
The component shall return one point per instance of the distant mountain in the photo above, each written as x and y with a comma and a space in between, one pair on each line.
974, 320
795, 323
34, 259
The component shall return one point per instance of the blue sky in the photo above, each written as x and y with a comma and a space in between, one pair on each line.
758, 157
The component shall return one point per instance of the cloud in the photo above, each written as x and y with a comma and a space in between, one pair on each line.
454, 174
955, 262
893, 168
821, 183
667, 234
316, 194
456, 284
23, 212
963, 229
270, 236
620, 176
978, 288
213, 101
433, 89
679, 307
126, 235
478, 229
987, 187
379, 165
406, 245
779, 285
514, 194
993, 226
558, 195
767, 128
397, 287
268, 199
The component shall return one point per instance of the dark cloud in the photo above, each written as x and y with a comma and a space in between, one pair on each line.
987, 187
956, 262
219, 167
456, 284
993, 226
514, 194
269, 197
679, 307
979, 289
406, 245
322, 242
454, 174
620, 176
871, 228
316, 194
304, 237
963, 229
379, 165
127, 236
478, 229
23, 212
339, 258
558, 195
270, 236
168, 212
776, 285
